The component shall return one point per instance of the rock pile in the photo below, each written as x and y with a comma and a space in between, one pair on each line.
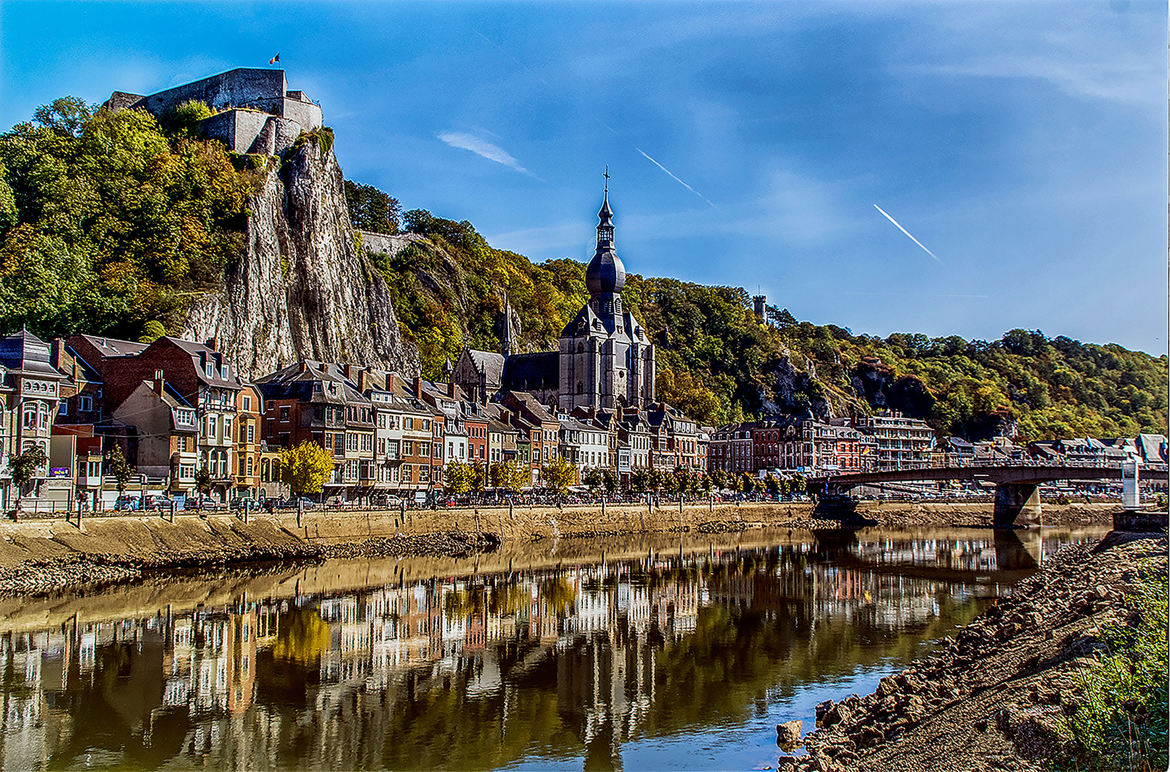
992, 696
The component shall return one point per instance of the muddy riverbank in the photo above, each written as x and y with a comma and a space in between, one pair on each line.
44, 555
992, 697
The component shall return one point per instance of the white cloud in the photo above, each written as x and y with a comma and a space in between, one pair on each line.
483, 149
1127, 80
1086, 50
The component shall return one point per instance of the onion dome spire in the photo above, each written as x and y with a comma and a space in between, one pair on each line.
605, 273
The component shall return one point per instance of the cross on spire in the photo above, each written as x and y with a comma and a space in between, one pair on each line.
606, 175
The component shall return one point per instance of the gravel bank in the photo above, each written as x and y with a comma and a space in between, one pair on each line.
991, 697
74, 570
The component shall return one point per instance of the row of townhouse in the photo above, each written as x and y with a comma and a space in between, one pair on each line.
1149, 451
180, 412
174, 407
791, 443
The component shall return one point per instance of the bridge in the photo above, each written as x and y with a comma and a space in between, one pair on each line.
1017, 487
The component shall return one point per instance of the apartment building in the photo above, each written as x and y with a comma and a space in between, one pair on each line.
902, 443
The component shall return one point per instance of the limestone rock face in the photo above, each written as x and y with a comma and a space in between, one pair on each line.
789, 387
302, 289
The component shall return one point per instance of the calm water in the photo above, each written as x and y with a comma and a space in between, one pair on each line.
663, 653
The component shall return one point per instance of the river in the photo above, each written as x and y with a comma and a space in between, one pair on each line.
656, 652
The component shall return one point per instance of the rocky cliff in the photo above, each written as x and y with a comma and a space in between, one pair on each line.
303, 287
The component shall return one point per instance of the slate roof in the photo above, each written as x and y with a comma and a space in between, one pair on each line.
490, 364
533, 407
200, 353
27, 354
1153, 447
297, 379
532, 371
113, 347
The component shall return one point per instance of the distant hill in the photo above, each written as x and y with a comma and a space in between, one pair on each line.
720, 363
115, 224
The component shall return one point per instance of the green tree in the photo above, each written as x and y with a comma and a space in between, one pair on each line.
515, 476
457, 478
611, 479
639, 480
370, 209
118, 223
773, 485
476, 477
497, 474
558, 474
119, 468
594, 478
305, 468
26, 466
797, 483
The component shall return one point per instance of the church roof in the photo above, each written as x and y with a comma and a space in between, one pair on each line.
605, 272
488, 363
533, 371
582, 323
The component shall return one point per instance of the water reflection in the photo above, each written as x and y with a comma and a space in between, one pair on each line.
493, 669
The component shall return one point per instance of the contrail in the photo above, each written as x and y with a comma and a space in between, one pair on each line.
675, 178
899, 227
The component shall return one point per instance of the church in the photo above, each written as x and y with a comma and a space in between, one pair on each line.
604, 360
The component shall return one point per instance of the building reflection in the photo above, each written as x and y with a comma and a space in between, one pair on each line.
479, 671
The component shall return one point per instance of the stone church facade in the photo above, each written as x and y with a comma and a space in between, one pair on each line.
605, 360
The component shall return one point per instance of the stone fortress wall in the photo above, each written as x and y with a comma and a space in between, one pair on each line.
259, 113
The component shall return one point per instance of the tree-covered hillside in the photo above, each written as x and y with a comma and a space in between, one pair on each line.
109, 224
718, 362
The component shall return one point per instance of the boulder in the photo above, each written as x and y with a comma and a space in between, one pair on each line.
788, 734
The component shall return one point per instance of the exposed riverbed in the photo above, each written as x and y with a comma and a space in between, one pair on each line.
38, 556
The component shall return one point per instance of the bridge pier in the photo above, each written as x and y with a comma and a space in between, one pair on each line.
1016, 504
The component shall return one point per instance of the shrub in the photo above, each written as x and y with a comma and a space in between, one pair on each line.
1121, 722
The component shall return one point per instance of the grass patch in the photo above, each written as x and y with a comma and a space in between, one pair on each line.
1121, 723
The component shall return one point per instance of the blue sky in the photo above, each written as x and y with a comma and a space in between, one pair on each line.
1023, 143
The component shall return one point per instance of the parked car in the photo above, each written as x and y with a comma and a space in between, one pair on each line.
128, 503
203, 502
306, 503
245, 503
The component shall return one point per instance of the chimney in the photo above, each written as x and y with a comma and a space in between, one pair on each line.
56, 353
363, 380
212, 343
159, 383
451, 389
391, 378
418, 386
